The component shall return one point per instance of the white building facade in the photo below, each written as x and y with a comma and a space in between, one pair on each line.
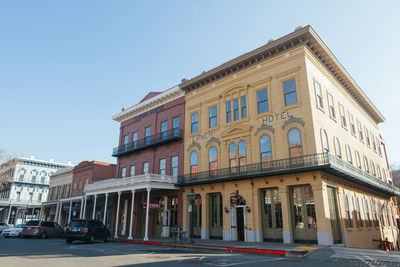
24, 185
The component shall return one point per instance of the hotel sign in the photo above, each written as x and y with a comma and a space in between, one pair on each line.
203, 137
277, 117
150, 112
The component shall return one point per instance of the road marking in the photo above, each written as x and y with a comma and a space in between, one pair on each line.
202, 258
306, 247
245, 262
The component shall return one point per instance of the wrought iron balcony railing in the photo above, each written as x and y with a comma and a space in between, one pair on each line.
150, 141
322, 161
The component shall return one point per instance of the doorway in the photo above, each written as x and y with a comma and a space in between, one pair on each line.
240, 223
271, 215
216, 216
334, 215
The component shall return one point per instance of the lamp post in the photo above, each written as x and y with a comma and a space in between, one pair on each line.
192, 198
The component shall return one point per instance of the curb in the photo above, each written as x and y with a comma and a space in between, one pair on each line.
295, 253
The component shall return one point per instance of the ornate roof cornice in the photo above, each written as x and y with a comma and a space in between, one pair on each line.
160, 99
305, 36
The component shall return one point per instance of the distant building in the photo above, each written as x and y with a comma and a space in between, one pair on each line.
24, 186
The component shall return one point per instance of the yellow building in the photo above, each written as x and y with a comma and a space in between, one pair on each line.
282, 145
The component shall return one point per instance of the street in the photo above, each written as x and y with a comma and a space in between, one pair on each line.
55, 252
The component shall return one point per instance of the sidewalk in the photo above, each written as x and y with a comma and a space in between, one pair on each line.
271, 248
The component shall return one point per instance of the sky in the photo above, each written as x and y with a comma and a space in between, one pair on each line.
67, 66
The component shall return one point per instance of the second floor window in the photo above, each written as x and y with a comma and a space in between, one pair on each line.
366, 165
132, 170
289, 89
360, 132
294, 140
123, 172
126, 141
232, 155
243, 106
337, 147
174, 166
348, 153
213, 116
195, 122
145, 167
358, 160
175, 125
262, 101
367, 136
134, 138
162, 166
242, 153
194, 164
325, 144
265, 148
213, 160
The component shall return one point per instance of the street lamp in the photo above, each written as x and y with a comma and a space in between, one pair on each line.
192, 198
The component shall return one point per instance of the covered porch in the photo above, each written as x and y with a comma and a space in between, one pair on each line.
137, 206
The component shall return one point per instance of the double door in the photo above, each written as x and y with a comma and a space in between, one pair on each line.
271, 215
216, 213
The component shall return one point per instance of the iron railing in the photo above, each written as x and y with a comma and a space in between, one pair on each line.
150, 141
321, 161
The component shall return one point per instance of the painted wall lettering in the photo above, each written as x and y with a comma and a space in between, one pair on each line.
150, 112
276, 117
202, 137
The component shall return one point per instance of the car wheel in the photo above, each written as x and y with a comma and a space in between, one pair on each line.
69, 241
43, 235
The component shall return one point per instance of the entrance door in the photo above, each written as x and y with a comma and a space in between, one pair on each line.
158, 221
271, 215
215, 212
304, 220
197, 217
141, 219
240, 223
334, 215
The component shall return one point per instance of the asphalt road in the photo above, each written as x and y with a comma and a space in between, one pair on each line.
55, 252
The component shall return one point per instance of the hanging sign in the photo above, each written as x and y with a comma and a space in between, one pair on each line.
154, 206
234, 200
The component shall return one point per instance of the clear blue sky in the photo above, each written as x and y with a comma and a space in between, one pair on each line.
67, 66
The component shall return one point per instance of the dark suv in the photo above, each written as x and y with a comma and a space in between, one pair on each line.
86, 230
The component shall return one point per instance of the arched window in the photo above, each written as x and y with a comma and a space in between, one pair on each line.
366, 167
373, 169
337, 148
383, 174
378, 171
294, 140
358, 160
232, 155
213, 160
194, 162
325, 144
242, 153
348, 153
265, 148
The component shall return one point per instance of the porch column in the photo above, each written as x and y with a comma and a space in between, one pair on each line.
59, 213
165, 219
70, 211
80, 213
286, 216
116, 220
56, 214
94, 207
9, 213
132, 208
83, 216
146, 232
105, 210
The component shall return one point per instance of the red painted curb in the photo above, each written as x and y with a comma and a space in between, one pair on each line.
254, 250
251, 250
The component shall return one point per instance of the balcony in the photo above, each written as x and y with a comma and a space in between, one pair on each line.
323, 161
143, 181
147, 142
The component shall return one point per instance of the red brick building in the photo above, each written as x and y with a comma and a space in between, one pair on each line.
150, 158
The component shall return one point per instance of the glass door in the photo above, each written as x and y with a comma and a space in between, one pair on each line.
215, 214
271, 215
334, 215
304, 219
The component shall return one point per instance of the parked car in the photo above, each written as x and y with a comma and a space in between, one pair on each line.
86, 230
3, 226
13, 231
42, 229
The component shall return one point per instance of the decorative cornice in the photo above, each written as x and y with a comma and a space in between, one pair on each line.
213, 140
306, 37
194, 144
158, 100
293, 120
264, 127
